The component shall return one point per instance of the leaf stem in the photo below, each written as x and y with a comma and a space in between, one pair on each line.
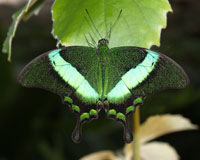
136, 127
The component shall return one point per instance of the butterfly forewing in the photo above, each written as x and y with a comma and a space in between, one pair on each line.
39, 73
143, 72
165, 74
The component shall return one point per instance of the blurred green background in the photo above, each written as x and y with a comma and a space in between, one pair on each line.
34, 124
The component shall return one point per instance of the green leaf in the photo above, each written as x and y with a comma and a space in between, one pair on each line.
32, 7
140, 23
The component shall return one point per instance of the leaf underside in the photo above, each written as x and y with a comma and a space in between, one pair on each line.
140, 23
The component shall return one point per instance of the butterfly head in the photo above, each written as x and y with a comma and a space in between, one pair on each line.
102, 50
103, 42
102, 104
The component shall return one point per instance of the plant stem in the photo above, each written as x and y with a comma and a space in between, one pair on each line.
136, 140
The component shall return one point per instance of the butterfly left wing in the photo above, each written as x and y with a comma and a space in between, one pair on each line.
135, 73
71, 73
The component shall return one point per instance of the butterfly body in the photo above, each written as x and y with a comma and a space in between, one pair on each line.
91, 79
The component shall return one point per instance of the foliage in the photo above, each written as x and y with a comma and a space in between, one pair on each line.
140, 23
32, 7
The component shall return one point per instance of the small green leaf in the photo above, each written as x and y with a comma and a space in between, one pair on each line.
140, 23
31, 7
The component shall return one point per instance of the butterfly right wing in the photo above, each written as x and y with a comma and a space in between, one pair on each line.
135, 73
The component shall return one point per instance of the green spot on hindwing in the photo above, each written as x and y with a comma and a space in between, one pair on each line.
121, 116
129, 109
68, 99
137, 101
93, 112
76, 108
112, 112
84, 116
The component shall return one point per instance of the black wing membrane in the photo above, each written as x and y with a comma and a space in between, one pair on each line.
85, 61
41, 73
121, 60
167, 74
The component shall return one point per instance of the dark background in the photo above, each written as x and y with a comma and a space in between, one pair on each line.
34, 124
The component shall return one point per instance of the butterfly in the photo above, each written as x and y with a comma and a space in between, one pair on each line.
91, 79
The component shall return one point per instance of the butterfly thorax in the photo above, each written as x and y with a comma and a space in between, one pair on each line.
102, 53
102, 50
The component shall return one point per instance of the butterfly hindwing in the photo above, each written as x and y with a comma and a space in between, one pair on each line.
84, 113
70, 73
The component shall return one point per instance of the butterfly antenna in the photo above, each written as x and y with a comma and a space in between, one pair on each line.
108, 35
89, 44
93, 23
94, 42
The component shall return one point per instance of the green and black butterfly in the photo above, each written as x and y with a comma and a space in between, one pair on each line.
90, 79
